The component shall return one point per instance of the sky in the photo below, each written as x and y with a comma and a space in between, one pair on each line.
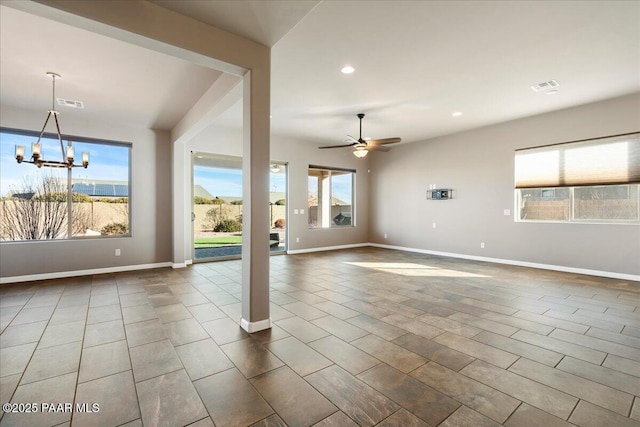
106, 162
228, 182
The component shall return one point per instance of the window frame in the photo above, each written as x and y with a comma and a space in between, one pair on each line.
69, 183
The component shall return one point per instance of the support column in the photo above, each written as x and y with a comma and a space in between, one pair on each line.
255, 201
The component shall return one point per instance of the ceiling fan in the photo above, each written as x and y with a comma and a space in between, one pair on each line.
362, 147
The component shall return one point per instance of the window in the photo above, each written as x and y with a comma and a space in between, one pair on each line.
593, 180
52, 203
330, 197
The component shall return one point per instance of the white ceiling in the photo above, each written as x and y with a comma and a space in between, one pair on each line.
117, 82
416, 63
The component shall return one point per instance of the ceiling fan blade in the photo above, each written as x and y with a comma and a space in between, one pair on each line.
377, 148
375, 142
339, 146
352, 139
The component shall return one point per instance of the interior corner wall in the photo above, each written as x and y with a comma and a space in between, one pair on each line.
150, 202
479, 166
299, 155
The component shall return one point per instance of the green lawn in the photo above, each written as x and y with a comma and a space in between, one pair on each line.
208, 242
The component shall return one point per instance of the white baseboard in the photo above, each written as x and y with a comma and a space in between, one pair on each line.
327, 248
189, 262
258, 326
75, 273
610, 274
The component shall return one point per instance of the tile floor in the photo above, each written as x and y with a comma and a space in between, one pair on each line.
361, 337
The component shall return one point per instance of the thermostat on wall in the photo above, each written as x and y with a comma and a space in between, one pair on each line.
440, 194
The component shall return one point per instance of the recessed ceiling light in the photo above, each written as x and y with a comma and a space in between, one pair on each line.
456, 114
347, 69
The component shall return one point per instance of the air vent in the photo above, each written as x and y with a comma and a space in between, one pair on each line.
541, 87
70, 103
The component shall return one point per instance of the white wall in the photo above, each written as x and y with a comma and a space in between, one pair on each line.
150, 191
479, 166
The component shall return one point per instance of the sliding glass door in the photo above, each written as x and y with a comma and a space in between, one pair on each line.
217, 207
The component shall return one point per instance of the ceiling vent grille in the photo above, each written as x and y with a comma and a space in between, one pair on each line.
70, 103
541, 87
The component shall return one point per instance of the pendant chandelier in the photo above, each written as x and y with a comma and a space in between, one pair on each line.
36, 148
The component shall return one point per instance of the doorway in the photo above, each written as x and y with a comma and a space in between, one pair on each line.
217, 207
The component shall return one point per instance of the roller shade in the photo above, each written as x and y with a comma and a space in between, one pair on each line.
599, 161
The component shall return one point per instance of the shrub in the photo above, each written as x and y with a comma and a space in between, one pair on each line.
199, 200
281, 202
114, 229
279, 223
58, 197
218, 201
236, 202
228, 226
61, 197
80, 198
212, 218
112, 200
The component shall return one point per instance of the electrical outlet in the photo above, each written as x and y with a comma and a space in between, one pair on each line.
297, 240
117, 252
481, 245
385, 235
295, 211
434, 225
301, 211
507, 212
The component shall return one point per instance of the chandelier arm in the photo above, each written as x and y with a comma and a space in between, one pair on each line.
43, 127
55, 117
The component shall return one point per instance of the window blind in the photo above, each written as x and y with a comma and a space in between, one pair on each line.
599, 161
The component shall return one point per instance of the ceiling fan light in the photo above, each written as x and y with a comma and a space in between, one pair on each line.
360, 152
347, 69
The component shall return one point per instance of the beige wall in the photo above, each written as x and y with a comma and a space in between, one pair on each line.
478, 166
150, 242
